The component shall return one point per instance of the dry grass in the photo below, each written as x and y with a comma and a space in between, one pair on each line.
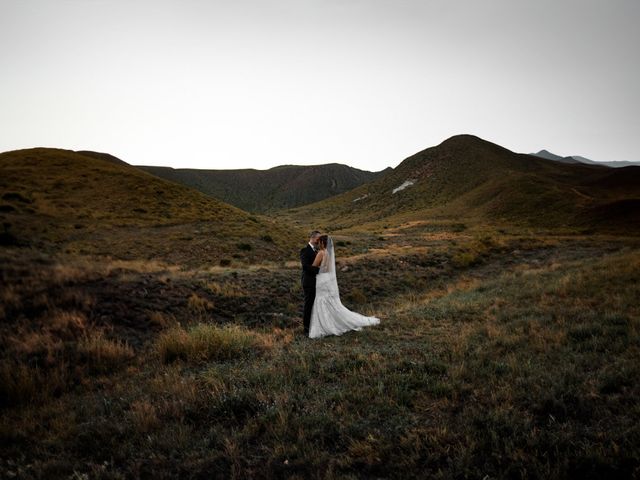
202, 343
10, 296
40, 343
65, 324
136, 217
22, 384
162, 320
510, 370
102, 354
225, 289
199, 305
144, 416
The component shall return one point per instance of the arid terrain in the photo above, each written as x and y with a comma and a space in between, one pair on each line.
167, 343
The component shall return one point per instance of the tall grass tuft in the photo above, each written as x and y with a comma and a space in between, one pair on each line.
199, 305
102, 354
144, 416
203, 342
22, 384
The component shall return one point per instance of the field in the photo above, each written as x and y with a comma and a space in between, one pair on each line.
502, 353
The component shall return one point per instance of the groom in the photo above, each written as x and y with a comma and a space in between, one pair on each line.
309, 272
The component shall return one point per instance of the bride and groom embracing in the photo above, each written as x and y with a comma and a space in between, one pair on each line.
324, 313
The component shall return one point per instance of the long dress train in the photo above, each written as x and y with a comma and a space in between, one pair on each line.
329, 316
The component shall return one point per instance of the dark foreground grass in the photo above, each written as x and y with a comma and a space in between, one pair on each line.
530, 373
543, 369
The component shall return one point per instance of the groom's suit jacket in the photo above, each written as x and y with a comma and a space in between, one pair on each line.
309, 272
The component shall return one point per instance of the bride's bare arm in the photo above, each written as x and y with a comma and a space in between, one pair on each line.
319, 257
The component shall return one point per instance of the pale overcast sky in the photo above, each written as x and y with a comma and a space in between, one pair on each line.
259, 83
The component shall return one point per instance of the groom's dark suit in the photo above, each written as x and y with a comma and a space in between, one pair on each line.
309, 272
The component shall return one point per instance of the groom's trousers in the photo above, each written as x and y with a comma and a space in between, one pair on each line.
309, 297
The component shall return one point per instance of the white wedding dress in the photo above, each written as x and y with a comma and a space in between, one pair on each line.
329, 316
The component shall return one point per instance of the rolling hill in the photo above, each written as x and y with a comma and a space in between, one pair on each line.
102, 156
60, 200
466, 177
262, 191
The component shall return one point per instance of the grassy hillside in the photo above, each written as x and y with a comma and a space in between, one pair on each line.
150, 331
499, 355
278, 188
58, 200
467, 178
102, 156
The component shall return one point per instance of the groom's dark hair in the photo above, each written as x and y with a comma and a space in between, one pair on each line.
314, 233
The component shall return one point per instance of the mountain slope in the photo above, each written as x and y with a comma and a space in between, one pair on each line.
578, 159
102, 156
55, 199
552, 156
615, 163
467, 177
278, 188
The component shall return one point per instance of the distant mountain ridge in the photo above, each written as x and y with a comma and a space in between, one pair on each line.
262, 191
468, 177
552, 156
578, 159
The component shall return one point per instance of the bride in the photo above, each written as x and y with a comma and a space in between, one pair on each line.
329, 316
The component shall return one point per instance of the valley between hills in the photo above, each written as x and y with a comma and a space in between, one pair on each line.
152, 330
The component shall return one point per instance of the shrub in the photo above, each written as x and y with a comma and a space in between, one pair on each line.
225, 262
245, 246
